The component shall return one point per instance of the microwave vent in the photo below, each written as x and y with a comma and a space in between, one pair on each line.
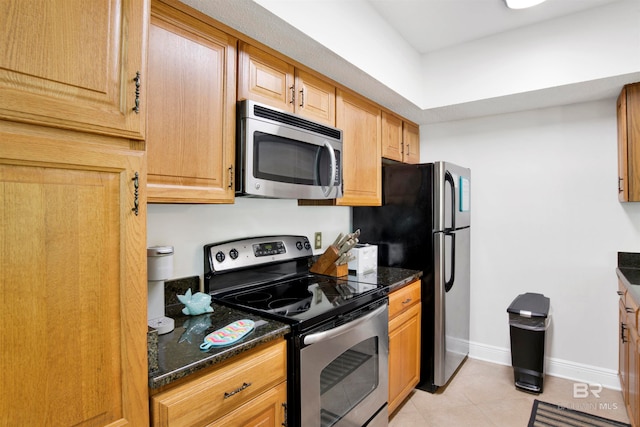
290, 119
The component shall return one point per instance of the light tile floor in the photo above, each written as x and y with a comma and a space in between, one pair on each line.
483, 394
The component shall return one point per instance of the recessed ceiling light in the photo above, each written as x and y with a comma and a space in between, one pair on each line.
522, 4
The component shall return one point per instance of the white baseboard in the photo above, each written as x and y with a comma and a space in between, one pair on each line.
555, 367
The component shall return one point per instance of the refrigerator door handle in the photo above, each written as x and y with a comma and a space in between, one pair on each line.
448, 284
449, 178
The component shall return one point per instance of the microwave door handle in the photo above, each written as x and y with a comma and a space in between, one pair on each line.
332, 170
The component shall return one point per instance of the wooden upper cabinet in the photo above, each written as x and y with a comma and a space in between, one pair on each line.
411, 138
265, 78
65, 64
391, 137
73, 280
629, 143
191, 123
400, 139
315, 98
360, 121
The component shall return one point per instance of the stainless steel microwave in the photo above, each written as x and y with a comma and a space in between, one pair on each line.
282, 155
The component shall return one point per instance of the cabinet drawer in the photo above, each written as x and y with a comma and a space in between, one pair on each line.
216, 393
404, 298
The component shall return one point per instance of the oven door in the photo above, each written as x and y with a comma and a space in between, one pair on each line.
344, 373
285, 162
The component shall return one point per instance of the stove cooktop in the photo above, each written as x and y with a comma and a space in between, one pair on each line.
270, 276
305, 298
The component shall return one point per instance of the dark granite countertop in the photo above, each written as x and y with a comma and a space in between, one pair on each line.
179, 354
179, 351
629, 273
391, 277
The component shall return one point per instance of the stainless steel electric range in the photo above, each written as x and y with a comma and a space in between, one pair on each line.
338, 345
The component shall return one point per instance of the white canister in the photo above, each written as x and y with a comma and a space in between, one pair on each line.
159, 263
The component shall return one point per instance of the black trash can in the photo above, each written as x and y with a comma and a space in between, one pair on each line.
528, 322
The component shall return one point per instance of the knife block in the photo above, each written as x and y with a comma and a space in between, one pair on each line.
326, 264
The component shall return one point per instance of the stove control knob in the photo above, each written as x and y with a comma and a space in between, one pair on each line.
299, 245
220, 256
233, 253
307, 245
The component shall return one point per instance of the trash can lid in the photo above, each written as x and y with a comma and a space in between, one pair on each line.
530, 305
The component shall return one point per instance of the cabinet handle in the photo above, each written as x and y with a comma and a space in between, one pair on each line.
620, 185
628, 309
137, 79
136, 200
407, 301
301, 98
238, 390
231, 176
284, 406
622, 337
620, 293
293, 95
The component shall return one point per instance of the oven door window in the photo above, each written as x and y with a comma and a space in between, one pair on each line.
286, 160
348, 380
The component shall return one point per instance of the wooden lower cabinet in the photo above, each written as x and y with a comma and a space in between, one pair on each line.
72, 279
404, 343
629, 354
248, 390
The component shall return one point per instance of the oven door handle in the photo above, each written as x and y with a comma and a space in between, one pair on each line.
331, 333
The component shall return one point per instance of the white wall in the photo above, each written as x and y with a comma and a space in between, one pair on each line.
189, 227
546, 219
591, 45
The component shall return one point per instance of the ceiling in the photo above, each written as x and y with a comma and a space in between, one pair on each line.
429, 25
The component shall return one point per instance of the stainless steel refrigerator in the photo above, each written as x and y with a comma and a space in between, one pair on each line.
424, 224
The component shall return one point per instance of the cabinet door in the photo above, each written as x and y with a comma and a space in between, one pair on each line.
411, 141
360, 122
265, 78
623, 184
65, 64
633, 376
404, 355
191, 131
315, 98
391, 137
72, 282
268, 409
629, 143
623, 351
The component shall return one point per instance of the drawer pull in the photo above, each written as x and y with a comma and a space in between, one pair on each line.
622, 336
620, 293
238, 390
407, 301
628, 309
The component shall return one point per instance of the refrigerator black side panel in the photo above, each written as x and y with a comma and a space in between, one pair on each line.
403, 230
